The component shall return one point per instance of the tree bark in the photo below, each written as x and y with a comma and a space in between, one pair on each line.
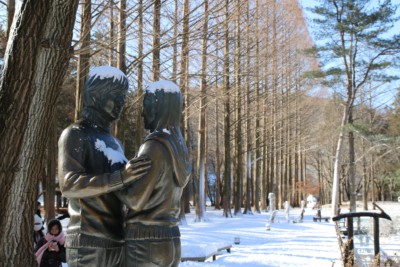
156, 40
121, 55
238, 115
201, 156
184, 85
111, 57
139, 94
36, 60
227, 131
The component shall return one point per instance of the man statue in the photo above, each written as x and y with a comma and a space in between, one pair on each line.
92, 165
152, 234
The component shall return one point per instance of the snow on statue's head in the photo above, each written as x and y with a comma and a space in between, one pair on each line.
105, 90
162, 105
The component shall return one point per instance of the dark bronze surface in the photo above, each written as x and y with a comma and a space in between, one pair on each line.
152, 234
91, 167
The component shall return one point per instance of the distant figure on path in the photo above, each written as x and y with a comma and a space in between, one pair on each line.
152, 232
92, 166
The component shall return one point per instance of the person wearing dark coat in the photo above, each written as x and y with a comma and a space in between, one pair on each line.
91, 166
152, 236
50, 250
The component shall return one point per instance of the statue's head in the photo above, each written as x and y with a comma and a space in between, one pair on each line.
162, 105
105, 91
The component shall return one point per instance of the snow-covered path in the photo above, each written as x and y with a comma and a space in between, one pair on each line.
286, 244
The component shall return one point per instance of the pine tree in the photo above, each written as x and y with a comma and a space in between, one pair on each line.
355, 37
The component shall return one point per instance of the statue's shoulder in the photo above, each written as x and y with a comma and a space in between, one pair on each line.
74, 131
152, 146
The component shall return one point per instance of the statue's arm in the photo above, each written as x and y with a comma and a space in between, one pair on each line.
75, 182
137, 194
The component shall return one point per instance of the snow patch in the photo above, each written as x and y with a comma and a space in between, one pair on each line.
104, 72
167, 86
114, 156
166, 131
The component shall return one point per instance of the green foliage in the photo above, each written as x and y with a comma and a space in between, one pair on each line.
354, 37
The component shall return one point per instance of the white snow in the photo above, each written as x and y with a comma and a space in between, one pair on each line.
286, 244
114, 156
167, 86
166, 131
107, 72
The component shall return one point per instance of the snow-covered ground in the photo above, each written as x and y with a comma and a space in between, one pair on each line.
285, 244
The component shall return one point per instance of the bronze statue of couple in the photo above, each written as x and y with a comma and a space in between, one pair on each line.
123, 212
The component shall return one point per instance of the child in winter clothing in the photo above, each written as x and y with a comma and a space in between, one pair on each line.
50, 250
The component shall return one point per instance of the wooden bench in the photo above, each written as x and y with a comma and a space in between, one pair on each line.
326, 219
211, 251
226, 247
200, 258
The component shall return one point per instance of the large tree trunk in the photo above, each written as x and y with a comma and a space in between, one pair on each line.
84, 55
227, 130
111, 48
118, 126
201, 158
175, 43
337, 165
156, 40
121, 44
139, 94
184, 85
36, 60
238, 113
257, 172
352, 166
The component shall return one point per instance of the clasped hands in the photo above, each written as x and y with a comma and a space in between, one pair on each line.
54, 247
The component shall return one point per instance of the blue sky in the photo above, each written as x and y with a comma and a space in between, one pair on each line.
386, 93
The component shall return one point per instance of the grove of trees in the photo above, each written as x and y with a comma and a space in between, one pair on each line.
261, 112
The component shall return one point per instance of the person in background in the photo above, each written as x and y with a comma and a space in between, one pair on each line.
50, 250
38, 210
37, 229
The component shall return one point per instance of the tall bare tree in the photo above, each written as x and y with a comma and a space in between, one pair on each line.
238, 116
156, 40
201, 158
139, 94
227, 128
84, 55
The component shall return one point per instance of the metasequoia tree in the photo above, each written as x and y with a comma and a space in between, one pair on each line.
227, 127
238, 116
111, 55
247, 208
184, 86
156, 40
201, 150
84, 55
139, 90
36, 60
